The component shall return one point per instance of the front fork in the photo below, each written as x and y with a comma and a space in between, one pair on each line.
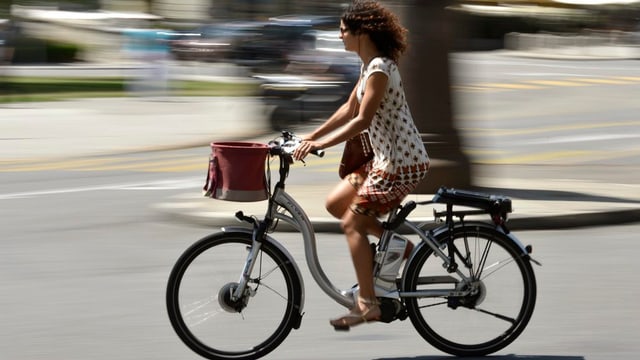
259, 229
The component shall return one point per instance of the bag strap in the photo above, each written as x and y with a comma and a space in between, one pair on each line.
211, 182
356, 109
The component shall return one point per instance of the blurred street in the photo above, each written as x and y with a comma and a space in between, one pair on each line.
86, 253
510, 111
100, 189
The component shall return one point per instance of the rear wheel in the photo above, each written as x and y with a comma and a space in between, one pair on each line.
500, 302
209, 321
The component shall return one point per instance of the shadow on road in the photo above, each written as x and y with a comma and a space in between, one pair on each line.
503, 357
554, 195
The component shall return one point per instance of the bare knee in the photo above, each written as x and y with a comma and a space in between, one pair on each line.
335, 208
340, 199
352, 223
346, 224
364, 225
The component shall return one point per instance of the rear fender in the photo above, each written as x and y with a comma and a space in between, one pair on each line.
525, 250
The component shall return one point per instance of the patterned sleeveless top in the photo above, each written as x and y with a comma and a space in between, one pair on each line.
400, 155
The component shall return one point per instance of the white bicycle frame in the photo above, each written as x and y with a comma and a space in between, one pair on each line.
296, 217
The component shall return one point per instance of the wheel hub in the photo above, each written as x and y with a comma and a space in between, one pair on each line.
477, 293
227, 303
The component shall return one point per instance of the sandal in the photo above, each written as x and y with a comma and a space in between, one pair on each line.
355, 317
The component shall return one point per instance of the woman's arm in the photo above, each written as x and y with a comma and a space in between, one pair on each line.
342, 125
340, 117
374, 92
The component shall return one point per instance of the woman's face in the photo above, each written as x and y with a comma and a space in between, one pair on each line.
348, 38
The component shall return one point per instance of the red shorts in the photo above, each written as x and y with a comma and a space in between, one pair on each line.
373, 200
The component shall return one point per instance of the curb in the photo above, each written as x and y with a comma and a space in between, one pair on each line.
580, 220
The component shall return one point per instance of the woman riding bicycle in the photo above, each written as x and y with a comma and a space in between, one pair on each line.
377, 104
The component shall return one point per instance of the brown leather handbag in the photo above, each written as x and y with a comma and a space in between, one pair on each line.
357, 152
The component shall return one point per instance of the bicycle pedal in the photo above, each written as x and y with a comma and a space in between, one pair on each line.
391, 309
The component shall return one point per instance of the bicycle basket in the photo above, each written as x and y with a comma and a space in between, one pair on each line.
237, 172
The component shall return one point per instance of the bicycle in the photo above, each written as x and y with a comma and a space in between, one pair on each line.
468, 287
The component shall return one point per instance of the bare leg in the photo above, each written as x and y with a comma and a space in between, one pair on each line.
355, 227
340, 198
367, 308
339, 201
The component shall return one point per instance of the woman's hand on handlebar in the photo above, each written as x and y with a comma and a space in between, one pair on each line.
306, 146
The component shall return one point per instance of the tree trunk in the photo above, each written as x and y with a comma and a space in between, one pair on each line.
425, 73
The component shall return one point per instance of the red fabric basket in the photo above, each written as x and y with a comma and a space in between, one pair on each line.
237, 172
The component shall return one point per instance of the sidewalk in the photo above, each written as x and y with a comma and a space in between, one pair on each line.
41, 131
596, 46
539, 204
116, 125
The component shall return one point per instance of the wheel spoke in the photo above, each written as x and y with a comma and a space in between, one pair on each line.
501, 317
483, 259
432, 305
259, 281
495, 267
193, 314
272, 290
202, 311
492, 306
266, 274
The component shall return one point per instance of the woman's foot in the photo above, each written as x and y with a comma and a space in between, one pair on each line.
366, 310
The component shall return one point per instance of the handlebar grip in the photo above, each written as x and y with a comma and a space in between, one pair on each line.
318, 153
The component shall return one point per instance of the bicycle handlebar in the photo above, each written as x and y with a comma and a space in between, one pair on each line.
287, 144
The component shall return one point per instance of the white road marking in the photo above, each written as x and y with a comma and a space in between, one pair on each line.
576, 138
176, 184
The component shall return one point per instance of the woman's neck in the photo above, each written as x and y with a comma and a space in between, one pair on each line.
367, 60
368, 51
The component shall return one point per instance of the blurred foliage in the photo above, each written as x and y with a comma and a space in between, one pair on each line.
62, 4
72, 5
487, 32
30, 50
20, 89
61, 52
61, 87
472, 31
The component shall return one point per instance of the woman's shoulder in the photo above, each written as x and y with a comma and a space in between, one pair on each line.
383, 64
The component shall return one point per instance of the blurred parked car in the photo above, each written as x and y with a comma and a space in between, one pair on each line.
214, 42
263, 46
8, 34
280, 37
314, 83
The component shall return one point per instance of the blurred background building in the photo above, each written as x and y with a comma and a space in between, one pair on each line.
258, 35
479, 24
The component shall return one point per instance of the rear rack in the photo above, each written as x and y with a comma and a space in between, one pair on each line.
497, 206
492, 204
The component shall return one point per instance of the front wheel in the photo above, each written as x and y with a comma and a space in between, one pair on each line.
499, 297
213, 323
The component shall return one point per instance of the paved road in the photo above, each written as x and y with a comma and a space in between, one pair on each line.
85, 257
93, 289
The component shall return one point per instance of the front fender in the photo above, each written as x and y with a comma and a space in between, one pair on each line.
280, 247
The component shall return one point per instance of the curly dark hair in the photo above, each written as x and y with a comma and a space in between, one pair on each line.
382, 26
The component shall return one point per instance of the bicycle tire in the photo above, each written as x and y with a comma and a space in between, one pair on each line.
216, 329
472, 325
